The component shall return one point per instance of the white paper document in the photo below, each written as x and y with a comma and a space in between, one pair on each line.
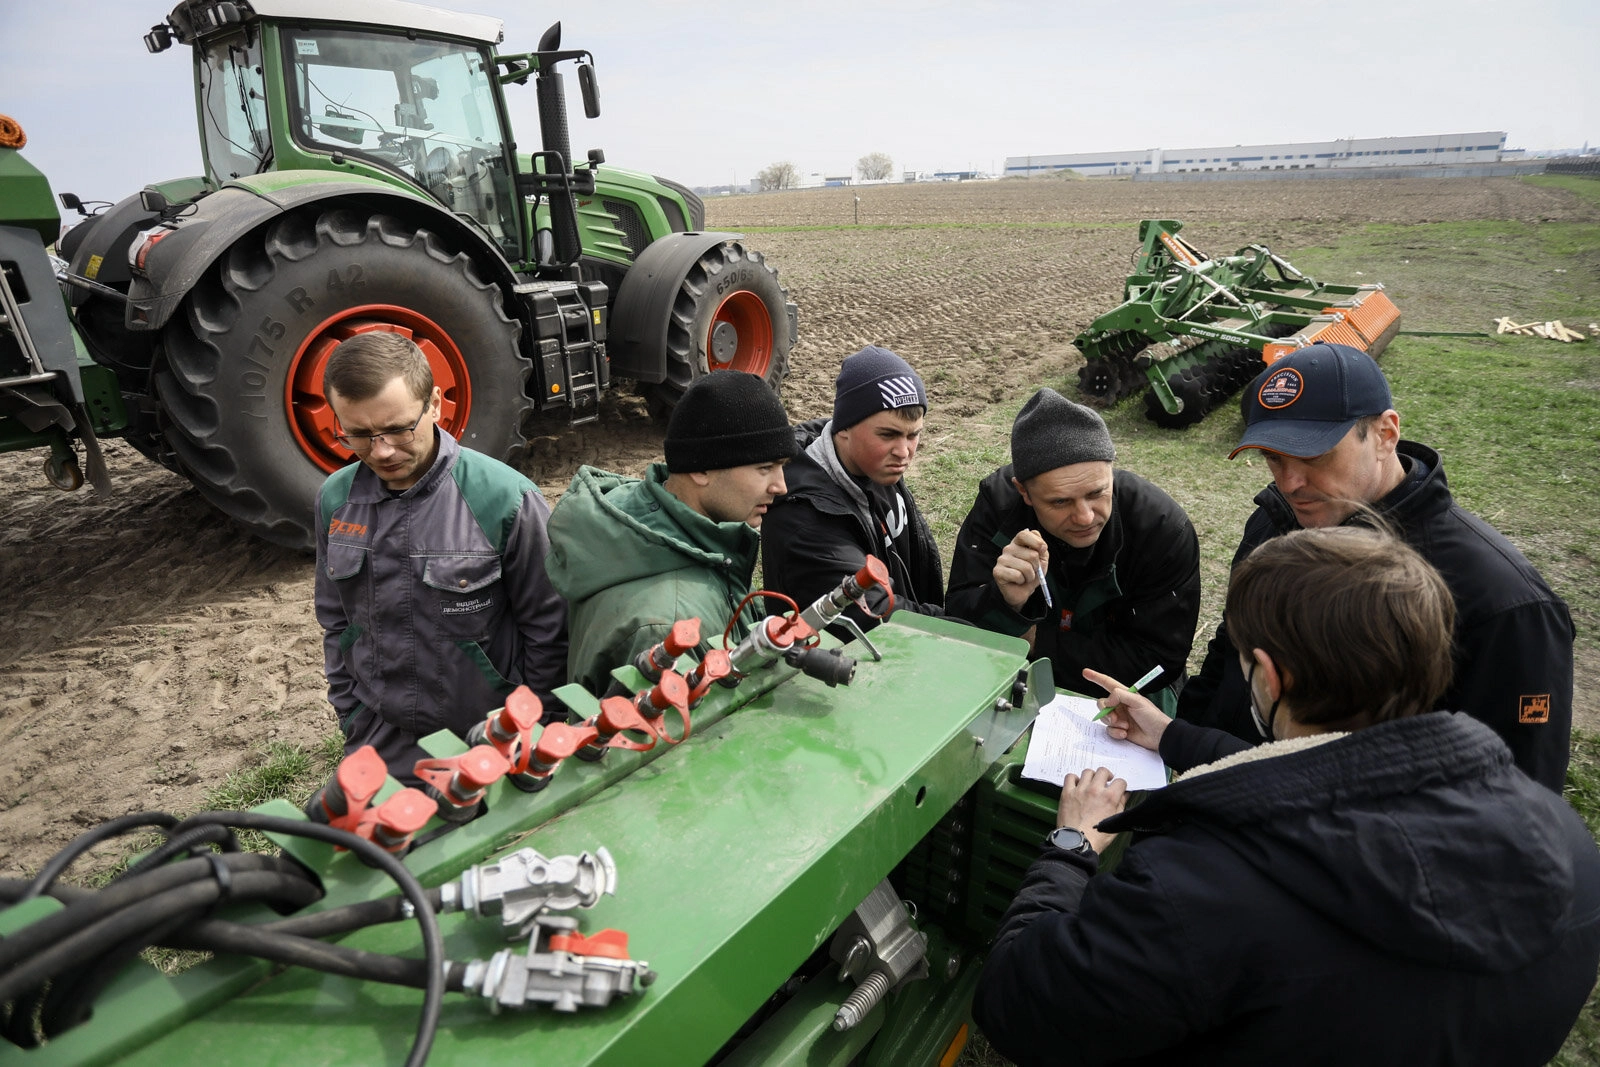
1067, 741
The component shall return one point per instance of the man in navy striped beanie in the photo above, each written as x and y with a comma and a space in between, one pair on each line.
848, 498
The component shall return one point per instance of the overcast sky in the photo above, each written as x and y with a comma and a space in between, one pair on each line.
709, 93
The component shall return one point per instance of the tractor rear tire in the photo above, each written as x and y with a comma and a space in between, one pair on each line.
240, 379
730, 313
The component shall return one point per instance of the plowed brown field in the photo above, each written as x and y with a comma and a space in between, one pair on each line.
151, 648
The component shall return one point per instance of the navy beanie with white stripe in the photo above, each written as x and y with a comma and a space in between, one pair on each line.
874, 380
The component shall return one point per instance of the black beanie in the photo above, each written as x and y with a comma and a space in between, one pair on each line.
1051, 431
874, 380
727, 419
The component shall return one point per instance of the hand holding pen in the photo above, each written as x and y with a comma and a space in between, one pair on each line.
1020, 569
1130, 716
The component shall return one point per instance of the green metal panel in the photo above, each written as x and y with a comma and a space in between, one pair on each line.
25, 198
739, 852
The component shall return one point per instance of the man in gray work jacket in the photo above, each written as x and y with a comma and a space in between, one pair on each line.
430, 583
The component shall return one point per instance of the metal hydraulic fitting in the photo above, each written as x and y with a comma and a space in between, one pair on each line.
519, 886
458, 782
828, 665
828, 607
878, 947
571, 972
343, 801
774, 636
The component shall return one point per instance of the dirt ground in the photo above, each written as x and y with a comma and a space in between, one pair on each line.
152, 648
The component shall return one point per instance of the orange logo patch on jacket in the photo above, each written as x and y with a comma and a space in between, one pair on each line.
353, 529
1535, 708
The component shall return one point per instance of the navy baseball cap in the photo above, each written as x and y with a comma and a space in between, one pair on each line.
1304, 404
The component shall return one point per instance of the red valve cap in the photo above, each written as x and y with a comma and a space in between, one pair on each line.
405, 813
561, 740
481, 767
617, 714
612, 944
716, 665
873, 572
361, 774
684, 635
671, 692
522, 712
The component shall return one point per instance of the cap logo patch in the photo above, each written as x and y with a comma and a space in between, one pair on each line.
1282, 388
899, 391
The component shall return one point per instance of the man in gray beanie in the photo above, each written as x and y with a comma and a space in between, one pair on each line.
635, 555
848, 498
1094, 567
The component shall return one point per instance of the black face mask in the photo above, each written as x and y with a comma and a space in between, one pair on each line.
1264, 727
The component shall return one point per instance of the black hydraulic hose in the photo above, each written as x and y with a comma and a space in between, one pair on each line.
87, 944
87, 840
344, 919
121, 894
248, 939
178, 844
372, 855
73, 992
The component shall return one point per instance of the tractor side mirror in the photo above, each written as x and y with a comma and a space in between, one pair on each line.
159, 39
590, 87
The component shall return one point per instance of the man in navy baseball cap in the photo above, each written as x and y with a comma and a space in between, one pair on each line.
1324, 421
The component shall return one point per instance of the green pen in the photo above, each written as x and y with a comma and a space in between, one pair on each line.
1134, 688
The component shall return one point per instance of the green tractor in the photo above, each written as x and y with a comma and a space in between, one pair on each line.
361, 174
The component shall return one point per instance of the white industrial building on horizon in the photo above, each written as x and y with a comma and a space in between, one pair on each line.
1449, 148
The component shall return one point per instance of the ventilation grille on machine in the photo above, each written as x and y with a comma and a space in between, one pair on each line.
630, 223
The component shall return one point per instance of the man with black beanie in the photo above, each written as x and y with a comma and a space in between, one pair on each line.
847, 495
1093, 567
633, 556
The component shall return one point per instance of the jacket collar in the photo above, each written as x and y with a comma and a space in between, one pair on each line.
1408, 503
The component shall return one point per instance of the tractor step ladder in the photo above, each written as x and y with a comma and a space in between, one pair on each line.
572, 361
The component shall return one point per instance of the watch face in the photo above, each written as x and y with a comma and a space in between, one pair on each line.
1068, 839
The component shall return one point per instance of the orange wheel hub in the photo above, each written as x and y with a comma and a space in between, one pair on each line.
741, 335
311, 417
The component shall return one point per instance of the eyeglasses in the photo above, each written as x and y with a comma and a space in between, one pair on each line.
363, 442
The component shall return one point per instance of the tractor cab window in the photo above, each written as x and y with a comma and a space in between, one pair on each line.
233, 106
422, 108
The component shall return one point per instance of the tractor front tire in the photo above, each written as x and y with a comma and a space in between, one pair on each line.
729, 313
240, 378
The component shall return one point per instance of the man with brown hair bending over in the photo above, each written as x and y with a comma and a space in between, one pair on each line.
1378, 883
430, 582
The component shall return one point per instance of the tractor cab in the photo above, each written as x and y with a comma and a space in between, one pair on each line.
406, 94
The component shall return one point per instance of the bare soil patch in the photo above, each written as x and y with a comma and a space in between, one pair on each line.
151, 648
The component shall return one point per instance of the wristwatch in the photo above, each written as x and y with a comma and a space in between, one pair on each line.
1069, 839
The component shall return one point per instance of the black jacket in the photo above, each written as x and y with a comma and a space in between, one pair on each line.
817, 534
1399, 895
1135, 608
1513, 636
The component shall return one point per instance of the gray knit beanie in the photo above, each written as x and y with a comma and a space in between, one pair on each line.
1051, 431
727, 419
874, 380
